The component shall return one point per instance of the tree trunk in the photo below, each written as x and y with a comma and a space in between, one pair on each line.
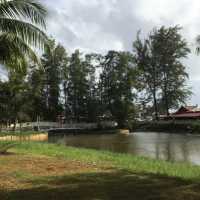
155, 106
166, 103
65, 98
15, 123
154, 93
20, 127
165, 93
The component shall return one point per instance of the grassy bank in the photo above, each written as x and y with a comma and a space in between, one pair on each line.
119, 161
37, 171
192, 127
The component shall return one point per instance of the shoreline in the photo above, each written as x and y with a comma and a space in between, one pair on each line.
65, 132
37, 171
116, 160
173, 127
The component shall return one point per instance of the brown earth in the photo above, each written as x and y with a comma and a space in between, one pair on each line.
29, 177
15, 170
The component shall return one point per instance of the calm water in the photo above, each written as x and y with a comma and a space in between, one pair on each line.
170, 147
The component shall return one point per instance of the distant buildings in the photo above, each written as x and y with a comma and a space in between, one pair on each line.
184, 113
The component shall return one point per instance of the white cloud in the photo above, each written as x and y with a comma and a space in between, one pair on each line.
101, 25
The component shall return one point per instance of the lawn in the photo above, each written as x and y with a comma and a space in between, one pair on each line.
37, 171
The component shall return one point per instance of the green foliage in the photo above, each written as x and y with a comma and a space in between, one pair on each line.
52, 61
93, 87
12, 98
159, 60
81, 90
36, 94
77, 90
21, 24
170, 48
117, 83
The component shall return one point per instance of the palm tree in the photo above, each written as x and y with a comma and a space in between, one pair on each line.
21, 31
198, 44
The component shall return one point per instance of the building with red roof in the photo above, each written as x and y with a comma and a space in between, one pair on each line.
185, 113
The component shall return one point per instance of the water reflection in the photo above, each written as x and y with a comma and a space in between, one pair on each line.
170, 147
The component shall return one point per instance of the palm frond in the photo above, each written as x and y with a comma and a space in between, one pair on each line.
10, 42
198, 45
21, 28
28, 9
17, 63
26, 31
14, 61
15, 54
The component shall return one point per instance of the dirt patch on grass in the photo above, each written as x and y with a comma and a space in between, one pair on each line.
42, 165
16, 171
41, 177
116, 185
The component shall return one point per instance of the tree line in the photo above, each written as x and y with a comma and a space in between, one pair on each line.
119, 85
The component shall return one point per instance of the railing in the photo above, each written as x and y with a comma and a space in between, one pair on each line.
52, 125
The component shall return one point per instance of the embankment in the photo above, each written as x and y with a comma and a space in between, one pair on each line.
192, 127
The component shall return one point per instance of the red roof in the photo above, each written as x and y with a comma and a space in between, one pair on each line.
187, 115
187, 112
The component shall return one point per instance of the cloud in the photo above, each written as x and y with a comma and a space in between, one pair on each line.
101, 25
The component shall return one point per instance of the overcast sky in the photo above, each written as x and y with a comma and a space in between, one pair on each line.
102, 25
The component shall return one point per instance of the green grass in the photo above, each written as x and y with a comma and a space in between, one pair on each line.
38, 171
118, 161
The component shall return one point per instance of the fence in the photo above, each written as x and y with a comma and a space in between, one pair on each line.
53, 125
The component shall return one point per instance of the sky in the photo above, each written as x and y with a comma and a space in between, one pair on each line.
101, 25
